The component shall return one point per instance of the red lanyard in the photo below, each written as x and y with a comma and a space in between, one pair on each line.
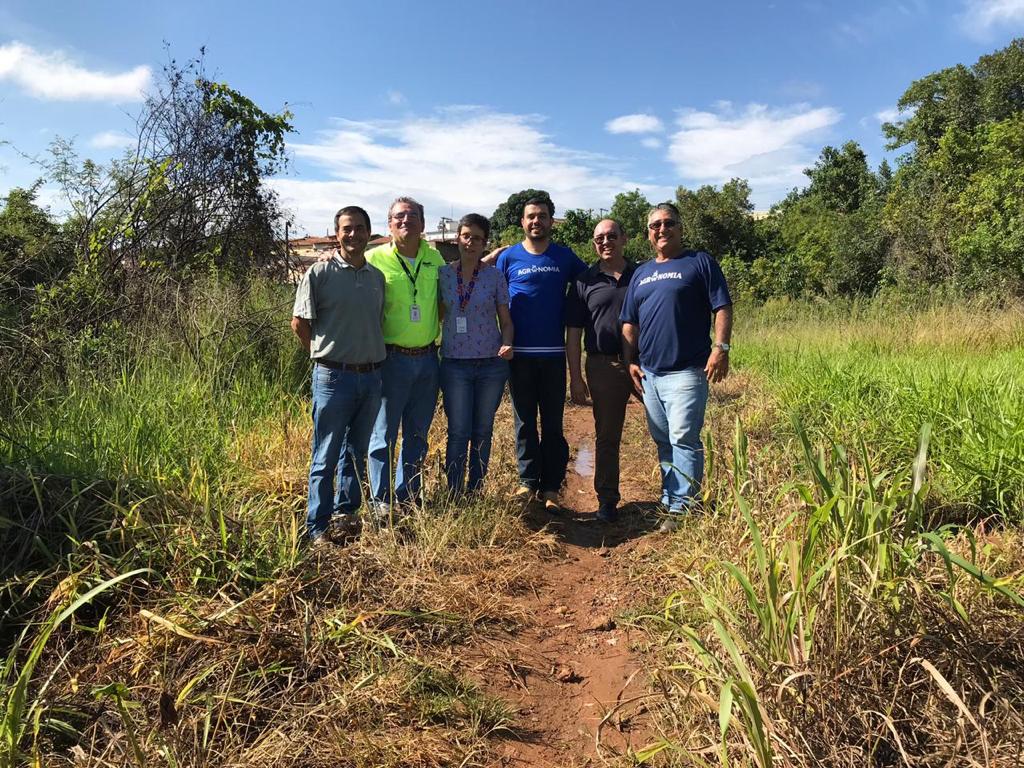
465, 297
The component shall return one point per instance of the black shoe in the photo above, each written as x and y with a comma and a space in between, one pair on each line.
607, 512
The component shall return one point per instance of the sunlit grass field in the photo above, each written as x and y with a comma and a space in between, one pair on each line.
850, 597
875, 375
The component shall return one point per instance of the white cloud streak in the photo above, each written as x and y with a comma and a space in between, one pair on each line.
52, 76
457, 160
634, 124
111, 140
767, 146
981, 18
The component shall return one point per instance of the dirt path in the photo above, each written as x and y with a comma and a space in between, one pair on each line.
573, 672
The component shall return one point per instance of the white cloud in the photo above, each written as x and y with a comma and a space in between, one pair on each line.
396, 97
111, 140
887, 115
457, 160
981, 17
52, 76
764, 145
634, 124
651, 142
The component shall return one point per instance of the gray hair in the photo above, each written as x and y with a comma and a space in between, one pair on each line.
670, 207
408, 201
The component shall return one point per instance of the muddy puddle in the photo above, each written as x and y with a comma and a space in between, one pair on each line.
584, 463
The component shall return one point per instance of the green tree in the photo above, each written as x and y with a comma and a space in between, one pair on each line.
988, 216
577, 226
718, 220
33, 248
630, 209
841, 179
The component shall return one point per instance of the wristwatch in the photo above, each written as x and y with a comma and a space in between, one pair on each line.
723, 345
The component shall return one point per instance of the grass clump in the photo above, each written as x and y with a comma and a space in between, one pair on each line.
836, 607
153, 503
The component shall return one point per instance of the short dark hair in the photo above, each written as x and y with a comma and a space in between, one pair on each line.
617, 223
666, 206
352, 210
475, 220
543, 199
408, 201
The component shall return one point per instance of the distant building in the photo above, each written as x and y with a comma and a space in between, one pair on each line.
305, 251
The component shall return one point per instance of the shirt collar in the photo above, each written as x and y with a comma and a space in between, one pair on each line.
595, 269
419, 248
345, 265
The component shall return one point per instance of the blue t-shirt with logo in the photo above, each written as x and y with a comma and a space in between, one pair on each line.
536, 292
672, 302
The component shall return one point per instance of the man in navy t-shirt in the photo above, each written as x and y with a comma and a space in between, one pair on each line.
666, 333
538, 272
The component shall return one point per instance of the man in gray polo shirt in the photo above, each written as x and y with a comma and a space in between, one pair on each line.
339, 307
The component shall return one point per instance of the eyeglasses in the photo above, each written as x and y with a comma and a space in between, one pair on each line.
405, 215
605, 239
663, 224
472, 238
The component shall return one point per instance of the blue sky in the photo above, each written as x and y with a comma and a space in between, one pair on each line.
460, 104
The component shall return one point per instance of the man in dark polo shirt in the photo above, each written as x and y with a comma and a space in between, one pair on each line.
592, 313
339, 308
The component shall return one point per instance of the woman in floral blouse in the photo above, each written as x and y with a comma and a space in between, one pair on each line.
476, 344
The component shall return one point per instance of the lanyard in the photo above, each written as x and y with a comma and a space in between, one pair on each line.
465, 297
411, 275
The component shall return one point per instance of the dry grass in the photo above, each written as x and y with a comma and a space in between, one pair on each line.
237, 648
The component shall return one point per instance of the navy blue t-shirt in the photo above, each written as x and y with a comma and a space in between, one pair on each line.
672, 302
536, 293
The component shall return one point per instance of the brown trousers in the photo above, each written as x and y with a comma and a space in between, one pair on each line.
610, 388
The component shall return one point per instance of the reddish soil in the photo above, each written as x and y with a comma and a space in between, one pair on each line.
573, 671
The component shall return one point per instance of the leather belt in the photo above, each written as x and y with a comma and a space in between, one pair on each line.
412, 350
348, 367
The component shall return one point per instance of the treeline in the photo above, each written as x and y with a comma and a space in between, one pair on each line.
950, 218
187, 201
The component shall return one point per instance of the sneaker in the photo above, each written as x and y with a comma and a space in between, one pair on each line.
320, 545
385, 515
607, 512
669, 524
551, 505
345, 528
525, 494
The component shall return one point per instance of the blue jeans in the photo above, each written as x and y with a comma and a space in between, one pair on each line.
472, 390
409, 397
675, 404
344, 407
538, 384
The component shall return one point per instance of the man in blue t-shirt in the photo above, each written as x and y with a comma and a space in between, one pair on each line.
538, 272
666, 332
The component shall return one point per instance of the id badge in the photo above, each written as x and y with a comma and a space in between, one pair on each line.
461, 325
414, 313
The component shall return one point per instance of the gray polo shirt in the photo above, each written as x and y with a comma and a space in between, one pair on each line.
345, 307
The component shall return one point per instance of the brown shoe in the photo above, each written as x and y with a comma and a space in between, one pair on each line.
525, 494
551, 505
344, 529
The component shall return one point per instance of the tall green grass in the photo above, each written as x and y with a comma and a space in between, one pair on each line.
876, 375
854, 564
